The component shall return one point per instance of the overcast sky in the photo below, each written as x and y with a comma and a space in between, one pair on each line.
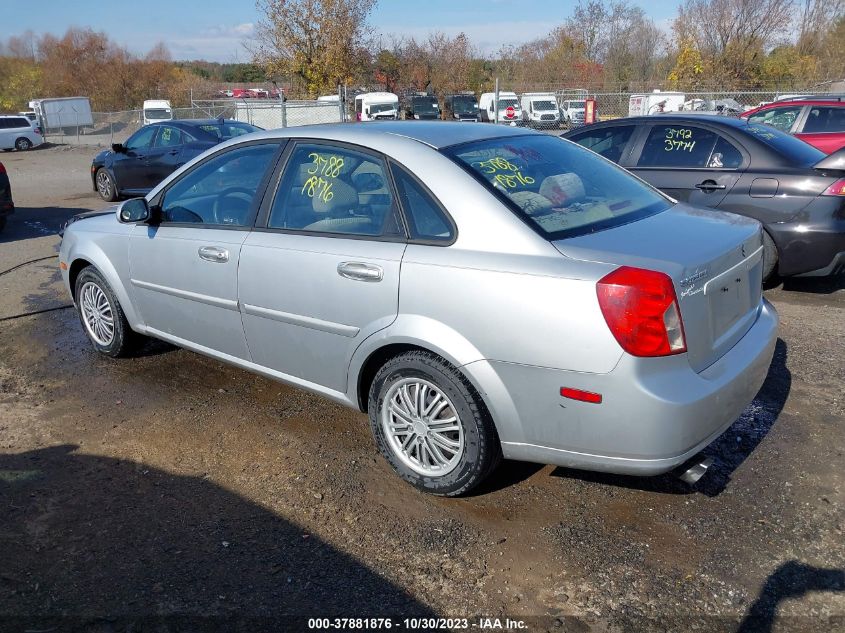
216, 29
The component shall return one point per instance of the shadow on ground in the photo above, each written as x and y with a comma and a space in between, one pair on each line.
815, 285
88, 540
729, 451
789, 581
31, 222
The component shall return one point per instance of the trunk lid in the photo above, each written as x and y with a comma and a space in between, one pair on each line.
715, 261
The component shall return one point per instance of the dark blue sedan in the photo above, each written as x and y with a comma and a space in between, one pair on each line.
155, 151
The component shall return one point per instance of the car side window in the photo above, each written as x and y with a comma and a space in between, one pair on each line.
141, 139
609, 142
781, 118
220, 191
821, 119
330, 189
724, 155
168, 136
426, 220
677, 146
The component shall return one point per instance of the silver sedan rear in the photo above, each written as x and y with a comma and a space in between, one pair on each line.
480, 292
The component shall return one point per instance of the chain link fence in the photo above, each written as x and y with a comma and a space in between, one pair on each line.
117, 127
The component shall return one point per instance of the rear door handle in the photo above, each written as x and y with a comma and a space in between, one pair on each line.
214, 254
359, 271
709, 185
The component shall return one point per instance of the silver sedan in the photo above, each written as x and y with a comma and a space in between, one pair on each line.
480, 291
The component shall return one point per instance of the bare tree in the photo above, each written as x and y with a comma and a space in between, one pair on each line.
320, 42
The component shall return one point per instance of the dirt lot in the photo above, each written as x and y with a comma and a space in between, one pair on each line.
170, 492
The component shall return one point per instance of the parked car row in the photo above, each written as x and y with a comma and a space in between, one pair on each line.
537, 109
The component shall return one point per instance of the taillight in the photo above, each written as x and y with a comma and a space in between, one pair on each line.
836, 189
641, 310
38, 131
2, 169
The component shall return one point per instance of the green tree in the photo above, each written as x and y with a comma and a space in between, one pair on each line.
319, 42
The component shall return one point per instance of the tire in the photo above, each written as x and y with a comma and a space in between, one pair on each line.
770, 257
23, 144
474, 449
94, 296
106, 186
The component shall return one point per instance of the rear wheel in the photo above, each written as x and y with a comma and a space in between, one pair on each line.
770, 256
102, 317
431, 425
23, 144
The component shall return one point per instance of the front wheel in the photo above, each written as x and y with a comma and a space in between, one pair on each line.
431, 425
105, 185
23, 144
102, 317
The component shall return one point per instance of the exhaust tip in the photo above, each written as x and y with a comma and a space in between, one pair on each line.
694, 470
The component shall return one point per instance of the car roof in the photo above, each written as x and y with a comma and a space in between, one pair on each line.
727, 121
436, 134
834, 101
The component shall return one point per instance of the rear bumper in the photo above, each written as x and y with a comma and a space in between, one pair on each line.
813, 242
655, 414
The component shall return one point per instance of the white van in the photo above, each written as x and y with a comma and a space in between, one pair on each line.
656, 102
376, 106
156, 110
509, 110
539, 109
572, 112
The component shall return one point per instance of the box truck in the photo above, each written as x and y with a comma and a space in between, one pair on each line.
656, 102
64, 114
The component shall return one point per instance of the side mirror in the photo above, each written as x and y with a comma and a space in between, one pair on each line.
118, 148
134, 210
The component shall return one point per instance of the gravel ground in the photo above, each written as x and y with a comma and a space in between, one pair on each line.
171, 492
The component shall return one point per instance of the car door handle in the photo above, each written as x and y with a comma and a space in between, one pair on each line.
214, 254
360, 271
709, 185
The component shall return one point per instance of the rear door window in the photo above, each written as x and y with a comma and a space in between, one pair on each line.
334, 189
609, 141
168, 137
824, 119
677, 146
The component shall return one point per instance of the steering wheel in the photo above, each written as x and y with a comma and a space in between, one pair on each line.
235, 210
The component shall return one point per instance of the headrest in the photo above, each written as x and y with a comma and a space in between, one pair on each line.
343, 198
563, 189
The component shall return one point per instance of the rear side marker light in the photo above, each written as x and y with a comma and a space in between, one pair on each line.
836, 189
641, 309
581, 396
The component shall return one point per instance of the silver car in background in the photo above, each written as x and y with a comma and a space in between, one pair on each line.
481, 292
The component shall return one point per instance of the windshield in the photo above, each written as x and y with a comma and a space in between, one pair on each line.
787, 145
225, 131
464, 104
424, 105
158, 114
382, 107
505, 102
558, 187
545, 106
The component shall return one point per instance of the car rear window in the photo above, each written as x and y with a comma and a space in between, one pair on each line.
796, 151
558, 187
11, 122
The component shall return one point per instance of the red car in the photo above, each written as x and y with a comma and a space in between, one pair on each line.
819, 122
